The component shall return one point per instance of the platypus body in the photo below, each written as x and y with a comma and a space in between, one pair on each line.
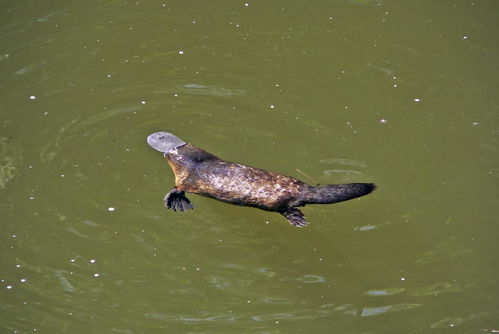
199, 172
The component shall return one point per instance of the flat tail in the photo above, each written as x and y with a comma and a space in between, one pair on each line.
334, 193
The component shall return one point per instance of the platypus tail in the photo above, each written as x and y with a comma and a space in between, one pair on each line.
333, 193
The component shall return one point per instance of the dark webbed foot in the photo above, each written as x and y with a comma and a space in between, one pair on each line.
295, 217
177, 201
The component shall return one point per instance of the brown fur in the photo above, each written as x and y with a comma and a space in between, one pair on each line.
199, 172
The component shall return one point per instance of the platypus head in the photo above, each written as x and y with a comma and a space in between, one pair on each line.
164, 141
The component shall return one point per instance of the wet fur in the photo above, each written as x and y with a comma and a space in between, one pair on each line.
199, 172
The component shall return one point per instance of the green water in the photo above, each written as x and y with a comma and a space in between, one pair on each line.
401, 93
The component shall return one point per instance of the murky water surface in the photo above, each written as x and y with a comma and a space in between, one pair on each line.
401, 93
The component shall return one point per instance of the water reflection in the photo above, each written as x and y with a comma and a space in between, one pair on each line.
385, 292
372, 311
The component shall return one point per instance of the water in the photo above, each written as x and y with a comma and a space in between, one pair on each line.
403, 94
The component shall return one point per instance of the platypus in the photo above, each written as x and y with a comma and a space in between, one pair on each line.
199, 172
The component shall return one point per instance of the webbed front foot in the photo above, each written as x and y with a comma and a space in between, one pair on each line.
177, 201
295, 217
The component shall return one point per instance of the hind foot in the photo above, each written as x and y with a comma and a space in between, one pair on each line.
295, 217
177, 201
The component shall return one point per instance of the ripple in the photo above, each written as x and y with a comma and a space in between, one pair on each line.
65, 284
436, 289
311, 279
212, 90
457, 321
344, 162
373, 311
10, 160
385, 292
445, 250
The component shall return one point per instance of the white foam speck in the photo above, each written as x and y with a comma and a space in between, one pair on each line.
32, 97
417, 100
111, 209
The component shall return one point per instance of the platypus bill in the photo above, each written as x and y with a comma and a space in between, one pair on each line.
199, 172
